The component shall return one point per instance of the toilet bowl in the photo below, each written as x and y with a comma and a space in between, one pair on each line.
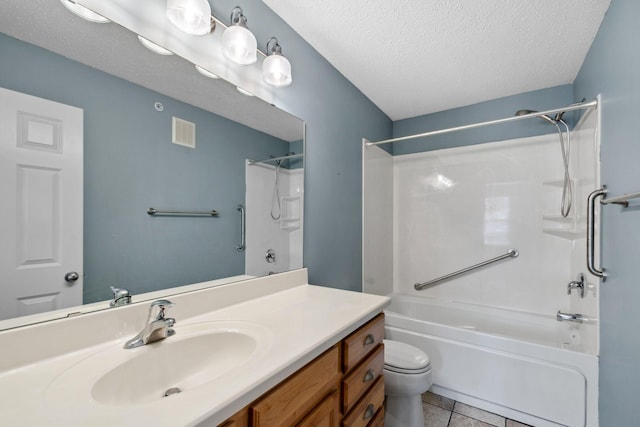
407, 374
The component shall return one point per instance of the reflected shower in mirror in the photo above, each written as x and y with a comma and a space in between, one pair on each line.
134, 158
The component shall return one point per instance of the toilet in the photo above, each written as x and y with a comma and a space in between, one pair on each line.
407, 374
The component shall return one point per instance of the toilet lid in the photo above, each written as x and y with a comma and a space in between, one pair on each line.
404, 358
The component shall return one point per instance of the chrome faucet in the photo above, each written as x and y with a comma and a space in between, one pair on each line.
569, 317
577, 284
121, 296
158, 327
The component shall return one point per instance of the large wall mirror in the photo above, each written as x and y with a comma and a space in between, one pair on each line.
129, 99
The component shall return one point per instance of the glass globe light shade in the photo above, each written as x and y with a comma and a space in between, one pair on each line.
84, 13
190, 16
276, 70
239, 45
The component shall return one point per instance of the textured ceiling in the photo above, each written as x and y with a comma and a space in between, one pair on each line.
414, 57
114, 50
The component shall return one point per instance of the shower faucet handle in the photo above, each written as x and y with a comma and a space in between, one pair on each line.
577, 284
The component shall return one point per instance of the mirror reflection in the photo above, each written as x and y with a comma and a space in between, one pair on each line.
126, 149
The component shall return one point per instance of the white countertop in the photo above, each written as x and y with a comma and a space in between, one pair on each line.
302, 321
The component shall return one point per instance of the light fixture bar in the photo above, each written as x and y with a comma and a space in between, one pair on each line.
146, 20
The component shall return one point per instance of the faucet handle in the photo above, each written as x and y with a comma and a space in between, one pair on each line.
121, 296
162, 304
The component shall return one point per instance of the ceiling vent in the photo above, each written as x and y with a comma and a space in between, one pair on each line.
184, 133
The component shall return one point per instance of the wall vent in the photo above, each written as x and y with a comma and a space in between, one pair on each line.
184, 133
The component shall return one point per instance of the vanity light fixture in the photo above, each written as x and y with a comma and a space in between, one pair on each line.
83, 12
207, 73
239, 45
191, 16
276, 69
155, 48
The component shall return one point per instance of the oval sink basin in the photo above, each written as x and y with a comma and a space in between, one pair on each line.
197, 354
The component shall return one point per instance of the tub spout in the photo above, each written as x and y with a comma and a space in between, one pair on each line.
570, 317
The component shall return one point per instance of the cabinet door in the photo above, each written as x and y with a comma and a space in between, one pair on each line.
291, 400
240, 419
326, 414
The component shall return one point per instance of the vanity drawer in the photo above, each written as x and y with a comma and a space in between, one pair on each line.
366, 409
360, 343
290, 400
378, 420
356, 383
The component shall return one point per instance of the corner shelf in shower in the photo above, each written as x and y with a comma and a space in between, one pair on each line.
572, 227
290, 218
566, 228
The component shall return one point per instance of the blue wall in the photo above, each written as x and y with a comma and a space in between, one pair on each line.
612, 68
544, 99
337, 117
131, 164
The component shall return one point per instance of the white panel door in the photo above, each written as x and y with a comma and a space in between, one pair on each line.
41, 149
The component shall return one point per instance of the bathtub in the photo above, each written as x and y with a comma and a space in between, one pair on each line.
524, 366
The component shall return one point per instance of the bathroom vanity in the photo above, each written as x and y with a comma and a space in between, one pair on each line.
342, 387
265, 352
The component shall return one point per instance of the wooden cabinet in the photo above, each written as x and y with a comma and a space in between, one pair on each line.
326, 414
360, 379
239, 419
363, 382
367, 407
292, 399
361, 342
343, 387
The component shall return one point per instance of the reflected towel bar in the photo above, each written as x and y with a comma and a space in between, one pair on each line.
153, 211
511, 254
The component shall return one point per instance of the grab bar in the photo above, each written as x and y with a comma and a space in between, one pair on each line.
511, 254
154, 211
242, 246
591, 225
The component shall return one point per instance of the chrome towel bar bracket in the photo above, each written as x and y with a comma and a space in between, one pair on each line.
620, 200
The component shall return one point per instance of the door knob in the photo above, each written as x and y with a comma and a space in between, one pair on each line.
71, 276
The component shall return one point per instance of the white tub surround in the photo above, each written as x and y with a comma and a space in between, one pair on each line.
491, 333
282, 235
524, 366
295, 322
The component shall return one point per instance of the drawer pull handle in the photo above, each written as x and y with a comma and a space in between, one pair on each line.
369, 339
369, 412
369, 376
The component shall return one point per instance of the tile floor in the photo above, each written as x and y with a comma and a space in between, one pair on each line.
440, 411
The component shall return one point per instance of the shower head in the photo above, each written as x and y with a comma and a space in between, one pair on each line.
542, 116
